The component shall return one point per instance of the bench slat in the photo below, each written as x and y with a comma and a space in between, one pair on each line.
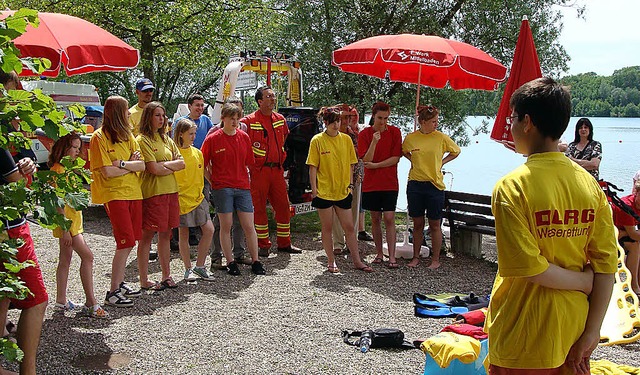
471, 219
465, 207
479, 229
468, 197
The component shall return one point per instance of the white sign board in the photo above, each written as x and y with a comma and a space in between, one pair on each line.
247, 81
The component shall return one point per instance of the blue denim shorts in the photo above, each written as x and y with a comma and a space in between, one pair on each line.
424, 196
228, 200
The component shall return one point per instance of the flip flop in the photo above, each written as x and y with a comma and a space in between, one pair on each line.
365, 268
378, 260
155, 287
169, 283
392, 265
333, 269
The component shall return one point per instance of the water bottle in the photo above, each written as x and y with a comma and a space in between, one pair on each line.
365, 341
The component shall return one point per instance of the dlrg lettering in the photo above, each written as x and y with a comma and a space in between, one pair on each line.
549, 217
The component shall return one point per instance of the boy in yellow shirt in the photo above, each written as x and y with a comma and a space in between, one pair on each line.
557, 249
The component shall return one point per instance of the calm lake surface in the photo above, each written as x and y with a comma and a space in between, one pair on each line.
484, 161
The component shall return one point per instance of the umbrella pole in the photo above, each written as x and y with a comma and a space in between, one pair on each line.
415, 114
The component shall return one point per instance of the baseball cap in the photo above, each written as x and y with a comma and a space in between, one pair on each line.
144, 84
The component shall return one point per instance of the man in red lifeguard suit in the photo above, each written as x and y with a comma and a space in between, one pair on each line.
268, 131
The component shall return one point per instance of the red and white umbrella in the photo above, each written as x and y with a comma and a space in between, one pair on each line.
525, 68
79, 45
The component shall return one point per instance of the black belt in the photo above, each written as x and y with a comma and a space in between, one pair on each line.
271, 165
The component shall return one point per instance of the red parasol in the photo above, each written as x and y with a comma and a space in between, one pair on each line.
421, 59
79, 45
525, 67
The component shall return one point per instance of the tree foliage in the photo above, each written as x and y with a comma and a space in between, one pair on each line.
23, 111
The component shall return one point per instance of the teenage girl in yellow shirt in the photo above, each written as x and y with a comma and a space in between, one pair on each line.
72, 239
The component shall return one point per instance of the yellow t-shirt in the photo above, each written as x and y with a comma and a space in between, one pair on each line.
135, 114
102, 152
190, 180
549, 210
158, 150
71, 214
333, 156
427, 151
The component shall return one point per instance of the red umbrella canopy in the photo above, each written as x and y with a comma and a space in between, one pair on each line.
425, 59
79, 45
525, 68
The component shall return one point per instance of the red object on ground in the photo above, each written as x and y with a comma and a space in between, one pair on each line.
81, 46
525, 68
421, 59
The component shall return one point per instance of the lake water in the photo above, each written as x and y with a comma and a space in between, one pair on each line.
484, 161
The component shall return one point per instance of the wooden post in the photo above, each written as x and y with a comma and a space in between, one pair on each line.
466, 242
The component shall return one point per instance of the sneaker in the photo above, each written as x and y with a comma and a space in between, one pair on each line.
117, 299
232, 269
257, 268
202, 273
189, 275
263, 252
364, 236
216, 265
94, 312
128, 292
242, 260
69, 306
290, 249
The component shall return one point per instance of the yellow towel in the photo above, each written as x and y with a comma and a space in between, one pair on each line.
604, 367
447, 346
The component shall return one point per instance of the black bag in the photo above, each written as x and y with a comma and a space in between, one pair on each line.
380, 338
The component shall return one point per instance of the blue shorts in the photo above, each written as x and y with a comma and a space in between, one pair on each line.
424, 196
228, 200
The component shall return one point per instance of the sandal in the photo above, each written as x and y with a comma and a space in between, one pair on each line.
392, 265
378, 260
365, 268
333, 269
154, 287
169, 283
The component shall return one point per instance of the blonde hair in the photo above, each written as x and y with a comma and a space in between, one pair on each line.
115, 123
146, 121
229, 109
182, 126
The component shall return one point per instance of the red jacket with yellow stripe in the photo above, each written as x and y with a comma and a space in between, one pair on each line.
267, 134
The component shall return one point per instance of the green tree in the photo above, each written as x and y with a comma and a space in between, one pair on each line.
331, 24
627, 77
631, 110
23, 111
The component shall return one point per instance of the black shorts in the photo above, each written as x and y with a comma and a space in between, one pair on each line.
424, 196
320, 203
380, 200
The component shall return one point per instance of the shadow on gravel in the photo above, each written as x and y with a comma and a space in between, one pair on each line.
460, 274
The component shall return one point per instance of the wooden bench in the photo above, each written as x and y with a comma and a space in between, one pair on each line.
469, 216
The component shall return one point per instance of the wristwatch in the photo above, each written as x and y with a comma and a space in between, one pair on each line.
122, 164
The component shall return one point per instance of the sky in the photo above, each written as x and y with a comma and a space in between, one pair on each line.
606, 40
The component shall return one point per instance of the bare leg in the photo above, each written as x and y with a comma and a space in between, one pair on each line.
28, 336
326, 223
632, 262
205, 243
62, 272
350, 235
376, 231
247, 224
390, 229
183, 244
164, 253
4, 308
118, 265
418, 236
144, 246
436, 243
86, 268
226, 221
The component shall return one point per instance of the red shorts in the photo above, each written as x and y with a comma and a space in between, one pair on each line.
31, 276
126, 222
161, 212
497, 370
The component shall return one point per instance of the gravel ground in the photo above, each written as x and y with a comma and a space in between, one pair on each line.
287, 322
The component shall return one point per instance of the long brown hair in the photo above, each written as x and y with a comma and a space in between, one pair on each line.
115, 122
61, 147
146, 127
